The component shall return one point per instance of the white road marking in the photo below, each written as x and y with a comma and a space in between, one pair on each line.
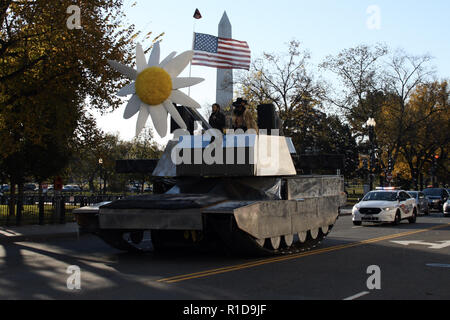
359, 295
436, 246
438, 265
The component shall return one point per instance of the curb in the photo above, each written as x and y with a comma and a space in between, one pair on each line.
38, 238
17, 235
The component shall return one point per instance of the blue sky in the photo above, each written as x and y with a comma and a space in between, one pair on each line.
323, 27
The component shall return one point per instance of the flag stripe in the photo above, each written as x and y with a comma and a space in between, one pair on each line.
234, 46
220, 56
230, 53
224, 53
219, 62
228, 63
233, 40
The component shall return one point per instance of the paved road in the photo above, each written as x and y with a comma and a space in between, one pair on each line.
336, 270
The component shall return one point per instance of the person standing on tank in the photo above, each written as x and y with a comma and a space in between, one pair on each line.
242, 118
217, 118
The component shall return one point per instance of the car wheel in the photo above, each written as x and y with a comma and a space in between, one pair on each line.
413, 219
357, 223
398, 219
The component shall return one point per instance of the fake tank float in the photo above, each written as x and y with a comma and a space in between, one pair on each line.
240, 191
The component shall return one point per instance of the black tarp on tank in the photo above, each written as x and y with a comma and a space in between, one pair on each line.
248, 188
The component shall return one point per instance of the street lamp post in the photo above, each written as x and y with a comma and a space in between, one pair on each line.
371, 123
100, 164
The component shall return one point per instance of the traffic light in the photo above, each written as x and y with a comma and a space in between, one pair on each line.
435, 164
435, 159
390, 165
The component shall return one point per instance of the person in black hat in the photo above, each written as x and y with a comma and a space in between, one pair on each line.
217, 118
242, 118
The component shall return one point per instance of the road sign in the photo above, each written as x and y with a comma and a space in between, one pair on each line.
436, 246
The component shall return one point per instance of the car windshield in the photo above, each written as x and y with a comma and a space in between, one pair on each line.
433, 192
413, 193
380, 196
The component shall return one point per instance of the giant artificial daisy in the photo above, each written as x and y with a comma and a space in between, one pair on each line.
155, 88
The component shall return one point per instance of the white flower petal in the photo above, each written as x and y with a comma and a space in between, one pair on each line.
179, 83
179, 63
174, 114
144, 113
155, 55
180, 98
128, 89
132, 107
159, 118
125, 70
167, 59
140, 59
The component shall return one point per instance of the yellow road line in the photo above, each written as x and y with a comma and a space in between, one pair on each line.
211, 272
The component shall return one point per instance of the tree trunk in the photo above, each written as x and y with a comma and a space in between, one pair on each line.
12, 201
91, 185
20, 197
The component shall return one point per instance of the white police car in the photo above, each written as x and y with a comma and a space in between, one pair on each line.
385, 205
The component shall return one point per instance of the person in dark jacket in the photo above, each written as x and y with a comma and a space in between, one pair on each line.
217, 118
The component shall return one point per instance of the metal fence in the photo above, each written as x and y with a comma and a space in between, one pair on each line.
45, 209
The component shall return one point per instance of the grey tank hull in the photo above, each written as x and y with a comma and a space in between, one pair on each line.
261, 207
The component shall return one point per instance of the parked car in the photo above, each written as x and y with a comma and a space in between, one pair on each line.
134, 189
436, 197
385, 205
29, 187
447, 208
421, 202
71, 188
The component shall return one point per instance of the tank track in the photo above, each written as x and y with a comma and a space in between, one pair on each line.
223, 233
241, 243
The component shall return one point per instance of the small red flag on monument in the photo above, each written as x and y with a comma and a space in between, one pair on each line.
197, 14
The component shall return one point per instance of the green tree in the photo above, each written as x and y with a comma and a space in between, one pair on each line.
48, 72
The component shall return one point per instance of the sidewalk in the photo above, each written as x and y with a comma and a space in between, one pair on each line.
38, 233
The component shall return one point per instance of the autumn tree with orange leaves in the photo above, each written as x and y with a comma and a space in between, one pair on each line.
51, 76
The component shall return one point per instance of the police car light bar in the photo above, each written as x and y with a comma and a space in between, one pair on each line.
386, 188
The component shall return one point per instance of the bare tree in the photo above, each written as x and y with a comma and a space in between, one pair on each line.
359, 71
403, 74
285, 81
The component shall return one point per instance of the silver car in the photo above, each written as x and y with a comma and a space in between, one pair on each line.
421, 201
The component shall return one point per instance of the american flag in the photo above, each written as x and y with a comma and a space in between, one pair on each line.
222, 53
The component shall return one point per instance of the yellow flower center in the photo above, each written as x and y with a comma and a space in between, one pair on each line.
153, 86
